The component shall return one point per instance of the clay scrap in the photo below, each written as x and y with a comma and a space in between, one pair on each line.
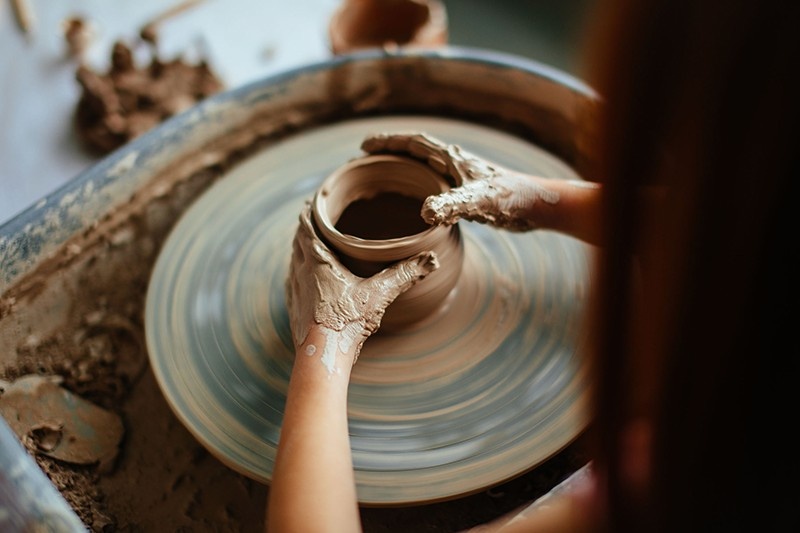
52, 421
125, 102
78, 35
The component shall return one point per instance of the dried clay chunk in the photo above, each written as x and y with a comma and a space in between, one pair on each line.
127, 101
52, 421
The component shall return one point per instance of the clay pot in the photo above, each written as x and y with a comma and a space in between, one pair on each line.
367, 211
359, 24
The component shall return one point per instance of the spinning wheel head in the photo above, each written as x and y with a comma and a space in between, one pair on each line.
488, 388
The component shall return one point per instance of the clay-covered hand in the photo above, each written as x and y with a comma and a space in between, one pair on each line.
320, 290
484, 191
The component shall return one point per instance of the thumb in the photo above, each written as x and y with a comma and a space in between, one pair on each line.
464, 201
398, 278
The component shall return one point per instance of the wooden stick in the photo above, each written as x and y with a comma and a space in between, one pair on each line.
24, 14
149, 29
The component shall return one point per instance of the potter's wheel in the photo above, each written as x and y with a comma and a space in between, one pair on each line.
485, 391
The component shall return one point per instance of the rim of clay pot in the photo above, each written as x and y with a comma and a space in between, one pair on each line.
350, 182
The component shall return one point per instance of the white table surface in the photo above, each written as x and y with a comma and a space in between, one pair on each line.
244, 39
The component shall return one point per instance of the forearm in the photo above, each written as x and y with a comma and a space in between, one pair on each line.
313, 487
575, 213
572, 506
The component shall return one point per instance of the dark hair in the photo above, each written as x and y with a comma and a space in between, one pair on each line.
692, 325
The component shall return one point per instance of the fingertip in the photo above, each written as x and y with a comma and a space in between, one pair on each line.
431, 262
441, 209
397, 143
425, 263
374, 142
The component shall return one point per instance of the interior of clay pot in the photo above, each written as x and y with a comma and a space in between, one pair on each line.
76, 266
368, 176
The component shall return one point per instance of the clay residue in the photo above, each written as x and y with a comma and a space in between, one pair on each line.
127, 100
504, 201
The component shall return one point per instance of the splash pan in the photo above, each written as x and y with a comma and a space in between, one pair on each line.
178, 244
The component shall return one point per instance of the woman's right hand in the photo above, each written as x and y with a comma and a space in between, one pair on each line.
489, 193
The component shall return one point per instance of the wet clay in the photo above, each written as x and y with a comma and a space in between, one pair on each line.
387, 215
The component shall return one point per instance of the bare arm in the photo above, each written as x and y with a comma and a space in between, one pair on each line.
313, 487
332, 313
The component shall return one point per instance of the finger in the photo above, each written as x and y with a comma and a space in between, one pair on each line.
306, 229
299, 275
393, 281
421, 146
312, 245
505, 202
433, 152
306, 242
303, 236
448, 159
375, 143
460, 202
388, 142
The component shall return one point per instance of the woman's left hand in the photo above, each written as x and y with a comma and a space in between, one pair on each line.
321, 291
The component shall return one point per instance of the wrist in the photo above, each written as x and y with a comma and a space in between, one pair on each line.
328, 350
